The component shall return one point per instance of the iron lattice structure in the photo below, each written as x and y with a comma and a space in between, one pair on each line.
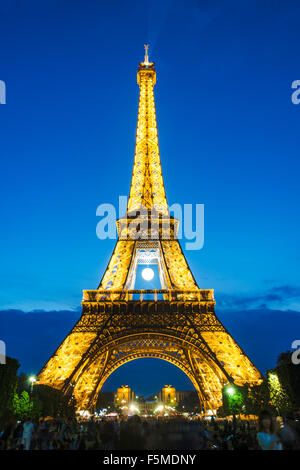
177, 323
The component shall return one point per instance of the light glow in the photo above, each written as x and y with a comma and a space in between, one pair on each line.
148, 274
134, 408
230, 390
159, 408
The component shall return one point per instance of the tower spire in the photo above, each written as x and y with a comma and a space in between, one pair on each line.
147, 186
146, 60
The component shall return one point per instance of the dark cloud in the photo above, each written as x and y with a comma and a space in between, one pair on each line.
287, 291
279, 297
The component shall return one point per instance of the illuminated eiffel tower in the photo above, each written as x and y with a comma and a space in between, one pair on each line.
176, 323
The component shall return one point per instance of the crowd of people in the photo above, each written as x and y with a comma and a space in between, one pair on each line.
151, 434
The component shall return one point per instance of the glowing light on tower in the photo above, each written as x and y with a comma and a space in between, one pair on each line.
148, 274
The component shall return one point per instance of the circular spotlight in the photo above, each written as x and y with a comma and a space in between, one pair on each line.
148, 274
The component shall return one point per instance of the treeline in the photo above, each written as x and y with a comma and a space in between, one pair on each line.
278, 393
20, 399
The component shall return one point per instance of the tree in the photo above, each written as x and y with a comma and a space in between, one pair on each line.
257, 398
48, 401
23, 383
44, 401
247, 399
284, 358
8, 384
234, 398
22, 405
278, 393
289, 377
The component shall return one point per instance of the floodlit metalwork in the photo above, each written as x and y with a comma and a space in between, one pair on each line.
176, 323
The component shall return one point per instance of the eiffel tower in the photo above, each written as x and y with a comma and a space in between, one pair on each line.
176, 323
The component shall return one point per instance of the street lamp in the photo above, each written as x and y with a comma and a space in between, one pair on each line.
230, 390
31, 380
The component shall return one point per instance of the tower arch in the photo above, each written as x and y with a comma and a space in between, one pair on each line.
204, 373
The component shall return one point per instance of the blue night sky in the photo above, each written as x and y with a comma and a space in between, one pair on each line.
229, 139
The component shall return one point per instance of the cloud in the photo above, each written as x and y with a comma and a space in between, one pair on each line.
284, 297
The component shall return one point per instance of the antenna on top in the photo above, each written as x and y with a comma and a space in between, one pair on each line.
146, 61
